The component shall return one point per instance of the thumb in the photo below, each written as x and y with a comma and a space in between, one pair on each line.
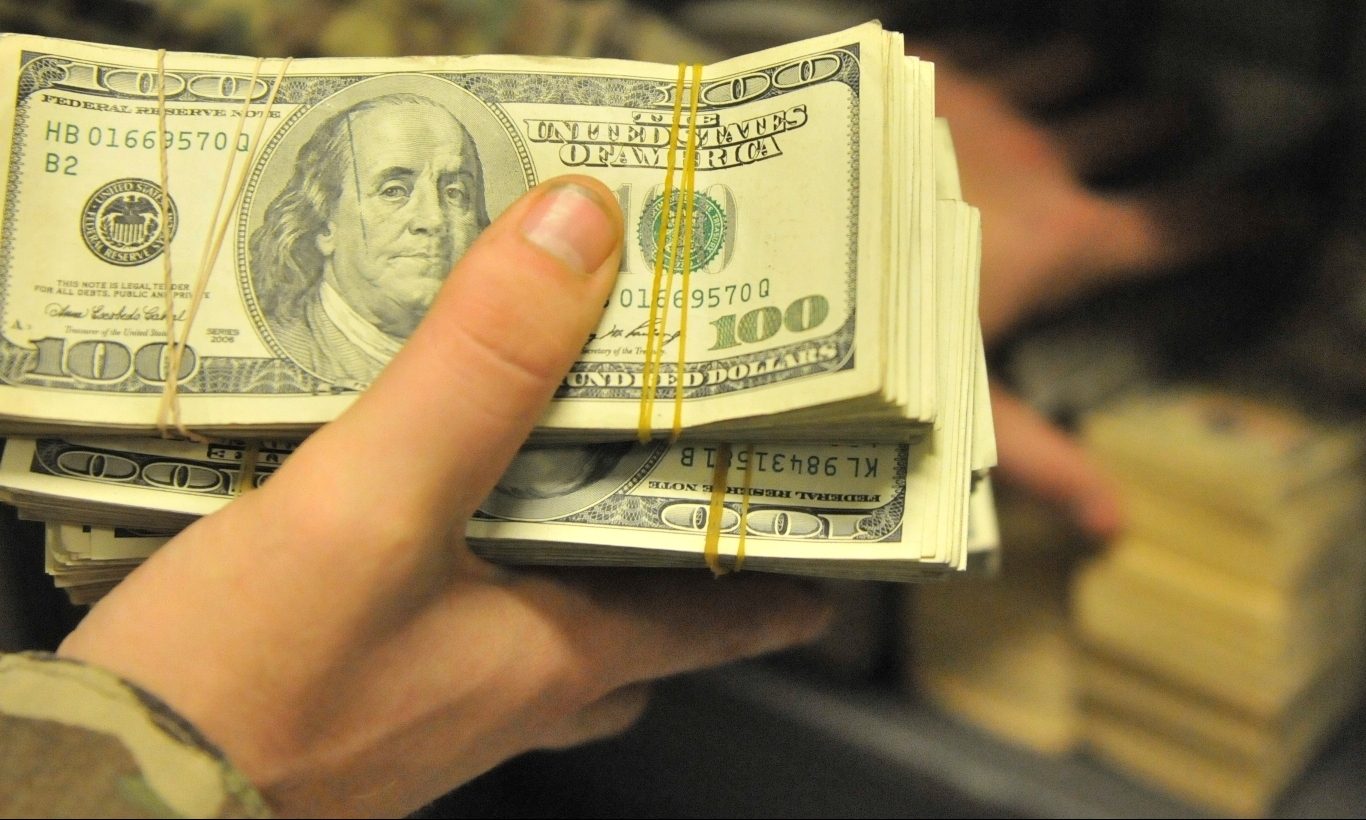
440, 424
1041, 459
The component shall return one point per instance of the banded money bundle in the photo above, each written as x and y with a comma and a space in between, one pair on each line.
901, 510
819, 237
1223, 633
175, 223
1001, 654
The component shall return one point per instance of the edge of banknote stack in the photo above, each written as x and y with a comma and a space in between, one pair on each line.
857, 444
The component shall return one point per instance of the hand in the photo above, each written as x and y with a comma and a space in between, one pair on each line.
1048, 239
333, 633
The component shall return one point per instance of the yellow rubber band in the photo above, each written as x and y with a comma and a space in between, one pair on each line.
215, 242
689, 192
218, 228
168, 399
744, 508
655, 352
650, 371
246, 477
711, 547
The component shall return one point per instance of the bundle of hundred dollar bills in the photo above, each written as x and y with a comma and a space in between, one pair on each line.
811, 292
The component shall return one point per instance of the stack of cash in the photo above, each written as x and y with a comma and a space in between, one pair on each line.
1000, 653
796, 303
806, 276
1224, 632
88, 561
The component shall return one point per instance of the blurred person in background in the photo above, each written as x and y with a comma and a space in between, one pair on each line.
1050, 239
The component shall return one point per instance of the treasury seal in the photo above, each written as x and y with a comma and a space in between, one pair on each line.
122, 222
708, 231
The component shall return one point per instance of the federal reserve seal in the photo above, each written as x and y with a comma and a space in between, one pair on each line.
708, 231
122, 222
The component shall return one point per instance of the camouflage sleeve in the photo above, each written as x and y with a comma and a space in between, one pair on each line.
76, 741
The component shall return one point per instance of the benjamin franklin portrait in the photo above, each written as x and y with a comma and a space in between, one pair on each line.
385, 196
547, 481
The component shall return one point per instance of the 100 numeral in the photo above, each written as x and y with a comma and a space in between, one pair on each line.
762, 323
103, 360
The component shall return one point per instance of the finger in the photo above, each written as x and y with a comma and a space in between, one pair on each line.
610, 715
1111, 240
631, 626
1041, 459
1089, 242
443, 420
1045, 74
1163, 228
967, 52
1122, 238
1034, 78
1108, 135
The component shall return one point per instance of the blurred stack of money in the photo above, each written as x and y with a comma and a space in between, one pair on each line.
999, 653
842, 300
1223, 633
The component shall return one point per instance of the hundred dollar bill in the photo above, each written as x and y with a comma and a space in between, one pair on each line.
834, 510
325, 200
87, 561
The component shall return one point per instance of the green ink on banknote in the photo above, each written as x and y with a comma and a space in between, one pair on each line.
708, 231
